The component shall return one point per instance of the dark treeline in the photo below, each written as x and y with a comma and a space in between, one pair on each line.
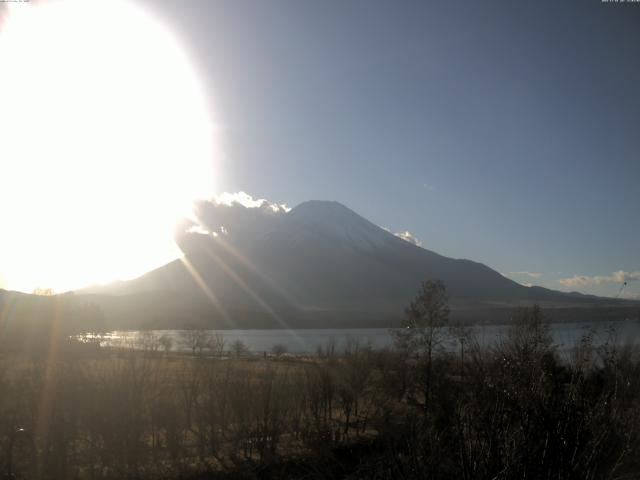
519, 409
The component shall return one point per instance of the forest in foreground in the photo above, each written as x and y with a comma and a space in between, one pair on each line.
521, 408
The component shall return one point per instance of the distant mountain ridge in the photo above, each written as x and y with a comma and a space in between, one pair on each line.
319, 264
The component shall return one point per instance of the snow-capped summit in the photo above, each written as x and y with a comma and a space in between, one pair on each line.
332, 220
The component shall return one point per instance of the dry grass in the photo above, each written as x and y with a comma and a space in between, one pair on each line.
512, 411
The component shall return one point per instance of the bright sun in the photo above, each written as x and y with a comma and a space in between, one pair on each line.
105, 140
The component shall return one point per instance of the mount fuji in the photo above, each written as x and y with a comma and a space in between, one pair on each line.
317, 265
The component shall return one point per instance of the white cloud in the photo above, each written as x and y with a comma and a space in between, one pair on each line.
409, 237
630, 296
615, 277
622, 276
235, 215
246, 200
575, 281
527, 274
197, 229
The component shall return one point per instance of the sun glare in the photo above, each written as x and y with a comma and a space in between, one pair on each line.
105, 140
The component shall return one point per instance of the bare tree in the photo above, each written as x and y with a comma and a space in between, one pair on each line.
215, 344
278, 350
166, 342
422, 331
239, 349
149, 342
197, 340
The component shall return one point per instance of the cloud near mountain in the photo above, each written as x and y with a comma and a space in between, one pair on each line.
615, 277
409, 237
247, 201
237, 214
526, 274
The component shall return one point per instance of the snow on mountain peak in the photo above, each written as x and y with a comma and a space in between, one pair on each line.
334, 220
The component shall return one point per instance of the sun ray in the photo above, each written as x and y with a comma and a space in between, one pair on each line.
5, 315
206, 290
222, 264
49, 380
230, 249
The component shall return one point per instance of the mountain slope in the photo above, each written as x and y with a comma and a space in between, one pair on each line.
321, 264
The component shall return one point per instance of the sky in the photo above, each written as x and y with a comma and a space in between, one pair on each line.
504, 132
499, 131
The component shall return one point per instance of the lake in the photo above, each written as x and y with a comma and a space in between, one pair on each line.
305, 341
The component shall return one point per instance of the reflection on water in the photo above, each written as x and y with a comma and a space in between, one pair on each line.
304, 341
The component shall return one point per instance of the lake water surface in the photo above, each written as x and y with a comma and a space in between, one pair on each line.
305, 341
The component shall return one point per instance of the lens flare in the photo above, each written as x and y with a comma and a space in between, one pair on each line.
105, 141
